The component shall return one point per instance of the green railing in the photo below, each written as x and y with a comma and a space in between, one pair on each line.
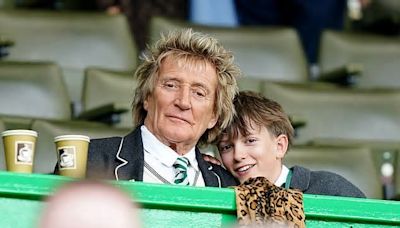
21, 202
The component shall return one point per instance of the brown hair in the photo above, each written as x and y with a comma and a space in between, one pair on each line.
254, 109
188, 45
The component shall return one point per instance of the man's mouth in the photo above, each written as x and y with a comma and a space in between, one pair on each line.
177, 118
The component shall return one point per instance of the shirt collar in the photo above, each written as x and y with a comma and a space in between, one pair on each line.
282, 177
162, 152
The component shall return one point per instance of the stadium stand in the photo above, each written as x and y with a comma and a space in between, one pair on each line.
354, 163
45, 156
272, 53
97, 56
338, 113
31, 90
249, 83
115, 88
376, 56
74, 40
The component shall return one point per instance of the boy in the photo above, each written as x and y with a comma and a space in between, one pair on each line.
256, 142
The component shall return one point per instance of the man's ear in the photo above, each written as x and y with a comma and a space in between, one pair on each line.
146, 103
282, 144
213, 121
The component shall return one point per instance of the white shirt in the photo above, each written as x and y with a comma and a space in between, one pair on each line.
159, 159
282, 177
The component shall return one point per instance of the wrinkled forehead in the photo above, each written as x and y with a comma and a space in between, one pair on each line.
188, 61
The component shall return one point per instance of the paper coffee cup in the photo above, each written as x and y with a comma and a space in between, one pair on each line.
19, 149
72, 151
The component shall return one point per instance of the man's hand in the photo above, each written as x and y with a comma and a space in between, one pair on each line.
211, 159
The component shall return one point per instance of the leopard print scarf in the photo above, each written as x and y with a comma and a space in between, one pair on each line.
260, 203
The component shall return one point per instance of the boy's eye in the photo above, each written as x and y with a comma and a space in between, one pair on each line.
224, 148
251, 140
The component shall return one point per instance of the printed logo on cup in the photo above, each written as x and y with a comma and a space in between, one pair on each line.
24, 152
67, 157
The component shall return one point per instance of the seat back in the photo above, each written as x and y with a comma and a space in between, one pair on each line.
378, 56
45, 155
75, 40
336, 113
355, 164
33, 90
249, 83
102, 87
273, 53
13, 122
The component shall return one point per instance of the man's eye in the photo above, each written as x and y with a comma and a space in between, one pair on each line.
200, 93
171, 85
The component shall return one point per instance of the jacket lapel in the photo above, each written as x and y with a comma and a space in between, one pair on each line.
131, 157
131, 161
210, 178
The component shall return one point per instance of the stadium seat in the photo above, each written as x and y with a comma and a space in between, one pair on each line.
249, 83
107, 96
344, 115
31, 90
378, 57
74, 40
45, 155
354, 163
273, 53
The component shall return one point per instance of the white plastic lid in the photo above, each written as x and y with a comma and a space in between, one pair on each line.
19, 132
71, 137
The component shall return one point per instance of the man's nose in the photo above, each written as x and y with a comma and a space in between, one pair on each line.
183, 99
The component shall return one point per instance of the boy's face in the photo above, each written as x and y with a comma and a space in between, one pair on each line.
257, 154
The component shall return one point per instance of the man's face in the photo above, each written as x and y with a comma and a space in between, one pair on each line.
258, 154
181, 107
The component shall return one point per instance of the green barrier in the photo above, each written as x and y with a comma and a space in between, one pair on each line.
21, 202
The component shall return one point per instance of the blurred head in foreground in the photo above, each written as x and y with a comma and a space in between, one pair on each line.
89, 204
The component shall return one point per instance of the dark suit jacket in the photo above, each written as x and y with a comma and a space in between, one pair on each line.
323, 183
123, 159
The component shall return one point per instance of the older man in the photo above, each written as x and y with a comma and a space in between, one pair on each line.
186, 85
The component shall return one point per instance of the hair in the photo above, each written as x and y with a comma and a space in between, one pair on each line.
252, 111
95, 197
192, 46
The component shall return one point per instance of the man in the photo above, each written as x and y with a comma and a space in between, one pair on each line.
186, 84
256, 143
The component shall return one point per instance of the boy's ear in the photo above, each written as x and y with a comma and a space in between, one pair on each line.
282, 144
